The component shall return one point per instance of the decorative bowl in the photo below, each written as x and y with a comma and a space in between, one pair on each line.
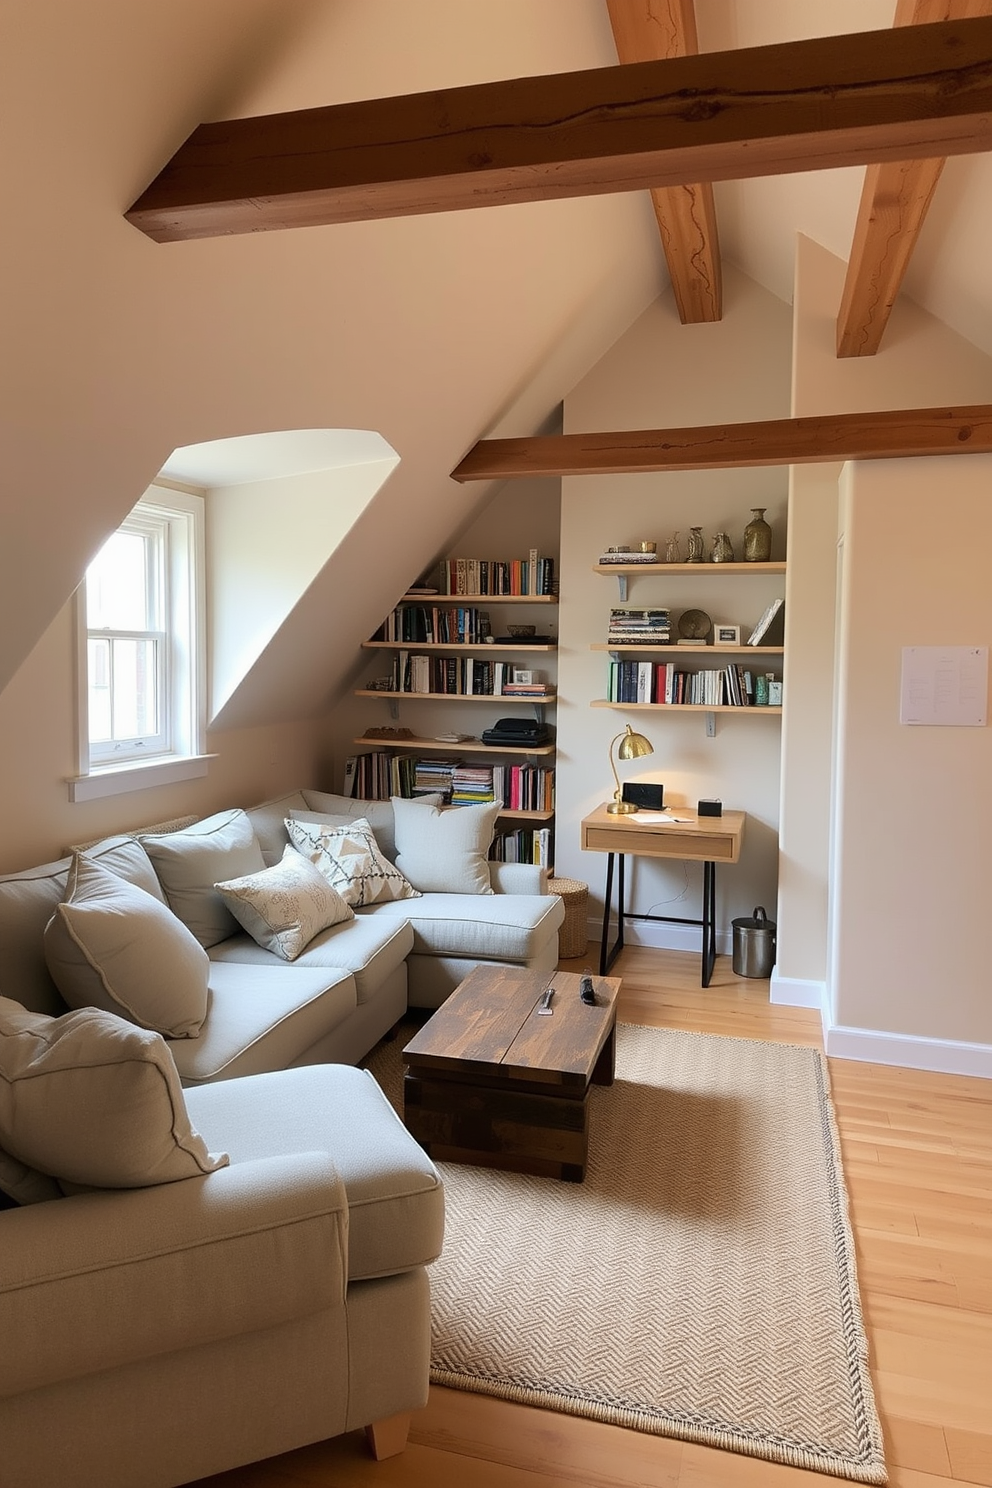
521, 632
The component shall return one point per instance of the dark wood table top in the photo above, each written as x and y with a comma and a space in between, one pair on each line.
490, 1028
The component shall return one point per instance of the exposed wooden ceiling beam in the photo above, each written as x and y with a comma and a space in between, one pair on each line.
888, 435
656, 29
799, 106
895, 200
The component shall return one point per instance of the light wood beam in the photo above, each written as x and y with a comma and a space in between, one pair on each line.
798, 106
656, 29
895, 200
891, 434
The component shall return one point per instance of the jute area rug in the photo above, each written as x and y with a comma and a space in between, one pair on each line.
699, 1284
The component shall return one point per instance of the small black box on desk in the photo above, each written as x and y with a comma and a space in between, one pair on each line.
642, 793
710, 807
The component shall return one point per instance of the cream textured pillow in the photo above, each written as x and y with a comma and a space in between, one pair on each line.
350, 860
190, 862
443, 849
90, 1099
285, 906
112, 946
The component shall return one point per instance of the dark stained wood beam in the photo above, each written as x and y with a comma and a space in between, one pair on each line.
658, 29
895, 200
887, 435
807, 105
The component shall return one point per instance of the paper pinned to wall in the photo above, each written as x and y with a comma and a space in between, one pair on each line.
944, 685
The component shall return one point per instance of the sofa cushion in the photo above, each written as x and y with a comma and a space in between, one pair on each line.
126, 857
395, 1199
444, 849
350, 860
190, 862
269, 823
90, 1099
27, 902
338, 811
23, 1184
369, 949
285, 906
263, 1018
489, 927
112, 946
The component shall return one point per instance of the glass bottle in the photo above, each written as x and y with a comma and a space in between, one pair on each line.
673, 549
723, 549
757, 537
695, 543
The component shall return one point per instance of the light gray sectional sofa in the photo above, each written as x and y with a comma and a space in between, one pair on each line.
238, 1265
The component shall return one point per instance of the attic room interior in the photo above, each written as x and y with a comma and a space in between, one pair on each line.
562, 341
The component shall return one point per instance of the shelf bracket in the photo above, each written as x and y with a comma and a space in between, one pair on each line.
711, 725
539, 712
394, 708
622, 587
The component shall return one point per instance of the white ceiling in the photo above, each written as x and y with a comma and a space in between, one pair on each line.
247, 458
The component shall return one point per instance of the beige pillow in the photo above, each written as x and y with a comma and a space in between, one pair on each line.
90, 1099
112, 946
285, 906
443, 849
190, 862
23, 1184
341, 810
350, 860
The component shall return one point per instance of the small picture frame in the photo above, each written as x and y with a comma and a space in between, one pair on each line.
525, 676
726, 635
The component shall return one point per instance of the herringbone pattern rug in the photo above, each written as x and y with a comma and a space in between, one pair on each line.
699, 1284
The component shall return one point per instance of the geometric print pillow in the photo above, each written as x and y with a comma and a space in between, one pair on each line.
350, 860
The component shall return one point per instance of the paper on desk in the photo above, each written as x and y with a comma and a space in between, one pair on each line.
659, 818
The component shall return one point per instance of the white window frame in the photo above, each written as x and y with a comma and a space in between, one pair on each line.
178, 752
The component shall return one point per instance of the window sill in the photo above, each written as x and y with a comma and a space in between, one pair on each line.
117, 780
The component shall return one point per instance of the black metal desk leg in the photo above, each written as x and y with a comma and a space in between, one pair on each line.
607, 953
709, 922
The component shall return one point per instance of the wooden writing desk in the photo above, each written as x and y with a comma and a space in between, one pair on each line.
708, 839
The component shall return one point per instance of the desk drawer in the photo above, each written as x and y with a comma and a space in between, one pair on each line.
706, 847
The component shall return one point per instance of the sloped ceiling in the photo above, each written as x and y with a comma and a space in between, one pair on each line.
433, 331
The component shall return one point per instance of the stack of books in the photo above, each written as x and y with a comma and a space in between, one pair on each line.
434, 777
627, 556
471, 785
629, 627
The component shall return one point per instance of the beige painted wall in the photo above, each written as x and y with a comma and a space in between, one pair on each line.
913, 852
921, 364
661, 373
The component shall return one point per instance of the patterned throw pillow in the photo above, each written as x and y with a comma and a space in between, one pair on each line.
350, 860
285, 906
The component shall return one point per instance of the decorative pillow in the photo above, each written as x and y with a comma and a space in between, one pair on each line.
442, 849
112, 946
23, 1184
350, 860
90, 1099
343, 810
190, 862
285, 906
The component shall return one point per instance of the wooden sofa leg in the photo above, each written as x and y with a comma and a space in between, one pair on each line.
388, 1437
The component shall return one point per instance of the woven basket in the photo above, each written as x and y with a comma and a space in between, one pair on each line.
573, 937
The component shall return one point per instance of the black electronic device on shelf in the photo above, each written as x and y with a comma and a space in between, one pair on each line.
517, 733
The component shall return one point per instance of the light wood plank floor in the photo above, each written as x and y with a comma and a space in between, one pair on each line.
918, 1159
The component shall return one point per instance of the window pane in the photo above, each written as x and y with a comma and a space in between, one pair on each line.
117, 585
99, 699
134, 706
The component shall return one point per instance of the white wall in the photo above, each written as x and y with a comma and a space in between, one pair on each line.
661, 374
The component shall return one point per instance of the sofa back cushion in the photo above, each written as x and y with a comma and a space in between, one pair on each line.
269, 822
191, 862
111, 945
340, 810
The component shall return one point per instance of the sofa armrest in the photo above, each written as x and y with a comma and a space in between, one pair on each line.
106, 1278
518, 878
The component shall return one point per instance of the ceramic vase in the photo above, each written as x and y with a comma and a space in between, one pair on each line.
695, 544
723, 549
757, 537
673, 549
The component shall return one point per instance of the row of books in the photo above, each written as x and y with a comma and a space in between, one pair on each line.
466, 676
523, 576
526, 845
436, 624
630, 627
663, 682
378, 775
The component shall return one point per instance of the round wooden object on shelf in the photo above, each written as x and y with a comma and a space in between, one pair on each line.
573, 937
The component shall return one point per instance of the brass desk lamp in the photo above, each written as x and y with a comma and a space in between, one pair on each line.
632, 746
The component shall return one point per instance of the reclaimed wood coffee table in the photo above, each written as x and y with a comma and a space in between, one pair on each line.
492, 1081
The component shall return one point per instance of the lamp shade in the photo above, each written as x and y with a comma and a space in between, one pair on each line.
632, 746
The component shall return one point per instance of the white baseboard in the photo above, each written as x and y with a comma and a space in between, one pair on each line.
943, 1056
797, 992
661, 937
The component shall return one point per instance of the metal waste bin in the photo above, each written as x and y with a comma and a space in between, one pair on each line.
754, 945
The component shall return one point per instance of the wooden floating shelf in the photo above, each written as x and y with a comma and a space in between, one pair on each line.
690, 568
476, 600
690, 707
464, 746
694, 650
458, 697
509, 814
446, 647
